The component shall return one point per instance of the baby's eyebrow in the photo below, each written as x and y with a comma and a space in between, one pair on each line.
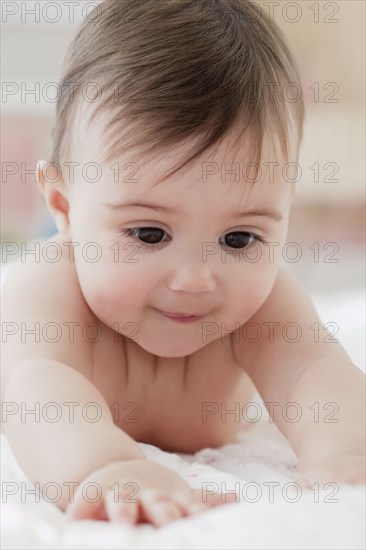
265, 212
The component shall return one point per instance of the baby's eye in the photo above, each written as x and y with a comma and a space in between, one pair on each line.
150, 236
240, 239
153, 237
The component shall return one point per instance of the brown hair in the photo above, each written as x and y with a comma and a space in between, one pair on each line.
171, 71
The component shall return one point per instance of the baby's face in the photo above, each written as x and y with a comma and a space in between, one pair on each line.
201, 254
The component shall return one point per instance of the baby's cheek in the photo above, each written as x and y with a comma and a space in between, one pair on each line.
103, 301
114, 295
252, 292
95, 284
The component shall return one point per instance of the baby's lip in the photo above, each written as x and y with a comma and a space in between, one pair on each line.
181, 314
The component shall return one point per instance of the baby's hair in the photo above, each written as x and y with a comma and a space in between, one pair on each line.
175, 71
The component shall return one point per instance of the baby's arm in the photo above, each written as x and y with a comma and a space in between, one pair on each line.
326, 424
37, 371
69, 450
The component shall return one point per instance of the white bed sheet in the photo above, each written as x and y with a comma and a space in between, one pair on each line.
333, 519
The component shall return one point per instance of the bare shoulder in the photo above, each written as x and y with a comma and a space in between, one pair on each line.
288, 300
44, 278
287, 316
43, 309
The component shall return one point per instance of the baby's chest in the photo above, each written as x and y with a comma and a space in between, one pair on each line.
180, 404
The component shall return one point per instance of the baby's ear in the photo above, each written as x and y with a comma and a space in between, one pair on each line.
51, 184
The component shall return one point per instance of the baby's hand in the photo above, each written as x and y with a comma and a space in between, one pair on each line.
337, 469
139, 491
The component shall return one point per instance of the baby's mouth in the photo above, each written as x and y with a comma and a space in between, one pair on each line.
181, 317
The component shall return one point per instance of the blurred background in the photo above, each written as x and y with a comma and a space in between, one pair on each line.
327, 222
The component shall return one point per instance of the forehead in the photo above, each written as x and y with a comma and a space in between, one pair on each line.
229, 163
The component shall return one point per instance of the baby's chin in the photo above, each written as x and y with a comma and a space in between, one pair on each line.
172, 349
184, 340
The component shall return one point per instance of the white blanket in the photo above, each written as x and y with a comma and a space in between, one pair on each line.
288, 517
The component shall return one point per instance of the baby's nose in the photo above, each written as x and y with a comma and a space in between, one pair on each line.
191, 277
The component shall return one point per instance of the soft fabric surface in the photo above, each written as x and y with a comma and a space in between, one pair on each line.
334, 518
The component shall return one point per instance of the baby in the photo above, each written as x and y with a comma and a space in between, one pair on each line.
161, 302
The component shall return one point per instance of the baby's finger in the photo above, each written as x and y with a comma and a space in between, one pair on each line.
229, 498
303, 482
157, 507
121, 509
82, 509
190, 502
194, 502
184, 501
